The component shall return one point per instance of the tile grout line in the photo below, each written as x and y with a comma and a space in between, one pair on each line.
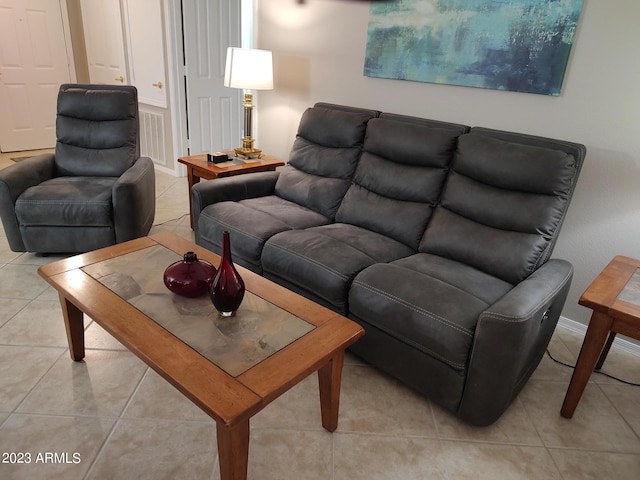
40, 380
104, 444
613, 404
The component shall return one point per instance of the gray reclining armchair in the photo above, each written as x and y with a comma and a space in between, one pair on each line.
95, 190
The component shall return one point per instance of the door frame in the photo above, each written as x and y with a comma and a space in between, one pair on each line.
175, 65
66, 28
177, 86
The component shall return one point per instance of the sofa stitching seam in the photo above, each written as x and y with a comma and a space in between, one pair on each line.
415, 308
231, 227
422, 348
322, 233
315, 262
518, 318
271, 215
449, 284
64, 202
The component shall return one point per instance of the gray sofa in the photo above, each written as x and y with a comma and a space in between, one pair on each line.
435, 237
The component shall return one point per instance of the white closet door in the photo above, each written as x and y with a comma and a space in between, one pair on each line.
209, 27
102, 23
145, 27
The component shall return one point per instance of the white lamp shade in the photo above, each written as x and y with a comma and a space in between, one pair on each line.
248, 68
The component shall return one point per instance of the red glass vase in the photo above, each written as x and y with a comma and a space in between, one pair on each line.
189, 277
227, 289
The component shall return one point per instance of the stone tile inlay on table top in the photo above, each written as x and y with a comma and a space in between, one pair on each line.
235, 344
631, 292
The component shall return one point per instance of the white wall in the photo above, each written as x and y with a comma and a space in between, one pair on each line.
319, 52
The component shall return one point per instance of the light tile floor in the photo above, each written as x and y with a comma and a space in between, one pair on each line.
123, 421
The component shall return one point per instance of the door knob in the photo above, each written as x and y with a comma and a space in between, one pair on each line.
119, 79
159, 84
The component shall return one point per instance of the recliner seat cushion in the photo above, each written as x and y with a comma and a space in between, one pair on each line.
322, 261
323, 158
428, 302
68, 201
251, 223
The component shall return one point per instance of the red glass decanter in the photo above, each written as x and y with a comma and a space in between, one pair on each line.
227, 289
189, 277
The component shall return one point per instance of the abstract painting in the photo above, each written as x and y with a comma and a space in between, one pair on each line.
516, 45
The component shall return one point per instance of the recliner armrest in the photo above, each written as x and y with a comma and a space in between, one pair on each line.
234, 189
134, 200
511, 338
14, 180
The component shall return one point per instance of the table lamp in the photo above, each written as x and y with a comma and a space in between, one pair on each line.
249, 69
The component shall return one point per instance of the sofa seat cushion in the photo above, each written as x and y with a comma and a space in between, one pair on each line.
69, 201
322, 261
428, 302
251, 223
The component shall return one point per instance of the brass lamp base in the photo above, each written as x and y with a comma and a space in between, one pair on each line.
255, 153
247, 149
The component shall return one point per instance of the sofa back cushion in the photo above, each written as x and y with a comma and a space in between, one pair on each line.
400, 176
324, 157
504, 202
97, 130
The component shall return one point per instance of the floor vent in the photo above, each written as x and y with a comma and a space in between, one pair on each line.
152, 143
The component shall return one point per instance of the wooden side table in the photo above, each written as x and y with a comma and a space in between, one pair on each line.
198, 168
614, 297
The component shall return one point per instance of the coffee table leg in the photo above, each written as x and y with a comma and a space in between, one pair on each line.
594, 341
233, 450
329, 379
74, 324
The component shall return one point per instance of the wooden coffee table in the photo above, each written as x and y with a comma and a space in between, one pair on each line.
229, 371
198, 168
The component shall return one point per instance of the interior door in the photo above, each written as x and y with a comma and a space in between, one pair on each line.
146, 50
213, 110
102, 24
33, 64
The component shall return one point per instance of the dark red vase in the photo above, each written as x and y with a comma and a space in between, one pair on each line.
189, 277
227, 289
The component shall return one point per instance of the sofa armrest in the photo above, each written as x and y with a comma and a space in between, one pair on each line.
134, 201
511, 338
14, 180
234, 189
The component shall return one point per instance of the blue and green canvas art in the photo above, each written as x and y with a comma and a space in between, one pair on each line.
516, 45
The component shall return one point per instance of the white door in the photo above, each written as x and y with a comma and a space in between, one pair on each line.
213, 110
33, 64
145, 28
102, 24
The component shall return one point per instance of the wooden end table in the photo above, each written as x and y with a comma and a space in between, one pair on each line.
229, 367
198, 168
614, 297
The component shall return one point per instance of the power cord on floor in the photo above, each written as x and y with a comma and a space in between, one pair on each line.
171, 220
596, 371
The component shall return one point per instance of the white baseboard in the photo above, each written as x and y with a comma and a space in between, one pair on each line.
620, 343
